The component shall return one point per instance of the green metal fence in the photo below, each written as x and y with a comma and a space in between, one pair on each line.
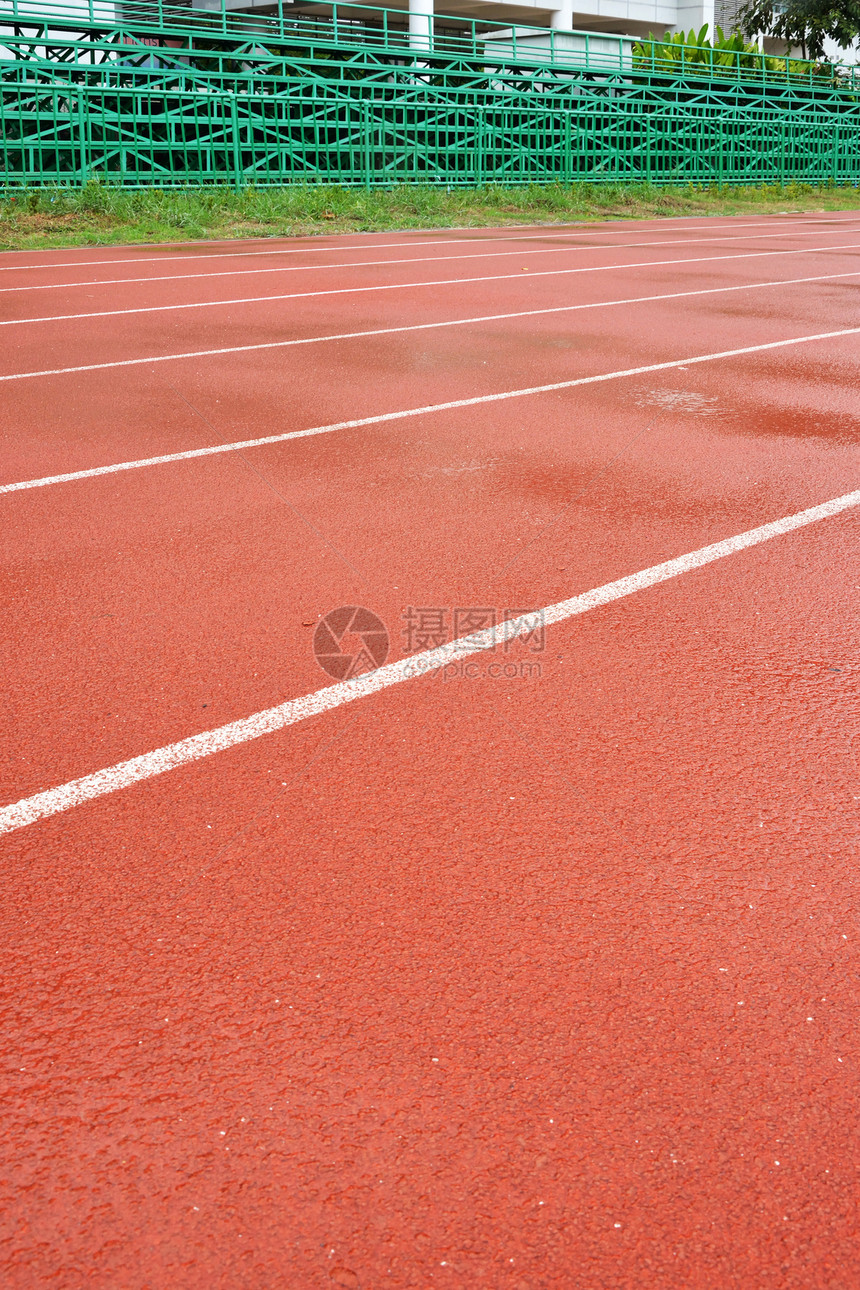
161, 95
383, 33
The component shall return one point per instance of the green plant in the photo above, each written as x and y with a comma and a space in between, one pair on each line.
692, 50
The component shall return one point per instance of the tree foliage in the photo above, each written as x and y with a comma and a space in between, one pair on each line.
802, 24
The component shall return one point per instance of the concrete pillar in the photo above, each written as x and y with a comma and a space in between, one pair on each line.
421, 24
693, 14
562, 19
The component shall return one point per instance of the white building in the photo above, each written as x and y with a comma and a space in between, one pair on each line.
618, 17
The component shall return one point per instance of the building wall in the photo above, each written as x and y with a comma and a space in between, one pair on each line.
724, 14
620, 17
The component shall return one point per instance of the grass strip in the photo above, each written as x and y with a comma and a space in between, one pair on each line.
102, 215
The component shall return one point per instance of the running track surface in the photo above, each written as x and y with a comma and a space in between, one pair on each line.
536, 971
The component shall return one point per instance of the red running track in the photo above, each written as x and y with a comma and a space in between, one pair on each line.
537, 973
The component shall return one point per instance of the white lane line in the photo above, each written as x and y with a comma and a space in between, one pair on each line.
381, 417
414, 259
408, 286
388, 331
573, 230
115, 778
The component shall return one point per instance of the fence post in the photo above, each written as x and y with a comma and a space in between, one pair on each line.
82, 136
568, 159
645, 137
237, 148
479, 145
368, 155
782, 153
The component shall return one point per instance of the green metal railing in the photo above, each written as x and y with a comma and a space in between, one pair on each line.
215, 97
384, 31
148, 137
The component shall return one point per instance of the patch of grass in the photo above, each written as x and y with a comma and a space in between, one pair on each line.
101, 215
